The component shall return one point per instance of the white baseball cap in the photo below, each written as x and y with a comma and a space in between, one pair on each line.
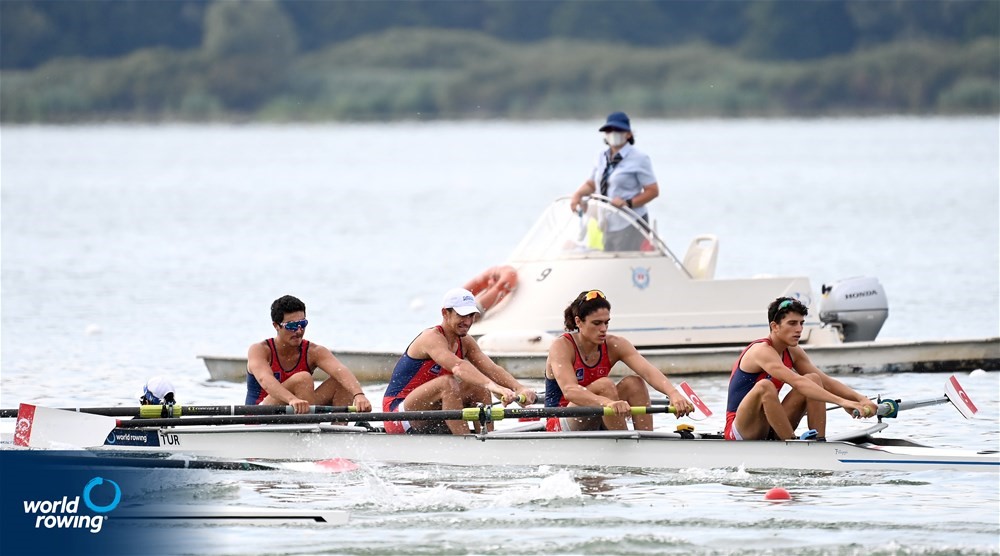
461, 300
156, 389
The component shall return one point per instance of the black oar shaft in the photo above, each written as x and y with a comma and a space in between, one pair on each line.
153, 411
467, 414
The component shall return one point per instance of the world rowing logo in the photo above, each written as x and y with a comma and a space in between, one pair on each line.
65, 513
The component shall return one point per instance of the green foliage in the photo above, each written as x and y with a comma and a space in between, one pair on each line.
427, 74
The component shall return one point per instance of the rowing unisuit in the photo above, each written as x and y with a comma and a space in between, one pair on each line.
256, 394
585, 374
740, 383
407, 375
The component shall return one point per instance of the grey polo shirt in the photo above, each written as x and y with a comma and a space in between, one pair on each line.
634, 172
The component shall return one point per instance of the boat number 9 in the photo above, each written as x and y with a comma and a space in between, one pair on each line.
545, 274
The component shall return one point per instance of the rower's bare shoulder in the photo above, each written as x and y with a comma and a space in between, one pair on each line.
259, 349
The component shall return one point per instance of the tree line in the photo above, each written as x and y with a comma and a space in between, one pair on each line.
382, 59
36, 31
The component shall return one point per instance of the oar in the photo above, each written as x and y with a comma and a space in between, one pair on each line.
44, 427
701, 410
151, 411
953, 392
486, 414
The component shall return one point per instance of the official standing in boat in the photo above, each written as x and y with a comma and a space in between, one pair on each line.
444, 369
280, 369
753, 410
579, 362
624, 174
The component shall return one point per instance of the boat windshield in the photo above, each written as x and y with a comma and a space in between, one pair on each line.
561, 233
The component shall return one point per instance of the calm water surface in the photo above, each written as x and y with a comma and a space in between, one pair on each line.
127, 251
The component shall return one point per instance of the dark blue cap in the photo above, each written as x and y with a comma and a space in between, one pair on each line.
617, 120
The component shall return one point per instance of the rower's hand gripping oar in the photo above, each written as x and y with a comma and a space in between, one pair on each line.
701, 411
953, 392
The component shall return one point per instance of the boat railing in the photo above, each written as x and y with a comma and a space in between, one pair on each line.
562, 234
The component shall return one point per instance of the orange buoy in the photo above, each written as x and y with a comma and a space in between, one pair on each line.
494, 284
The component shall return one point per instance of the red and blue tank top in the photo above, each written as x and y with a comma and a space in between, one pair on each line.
741, 382
255, 393
410, 373
585, 374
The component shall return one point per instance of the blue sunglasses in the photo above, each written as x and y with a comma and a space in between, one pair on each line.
294, 325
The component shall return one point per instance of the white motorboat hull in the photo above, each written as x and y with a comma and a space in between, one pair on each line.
590, 449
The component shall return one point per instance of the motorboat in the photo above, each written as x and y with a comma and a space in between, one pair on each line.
682, 318
659, 300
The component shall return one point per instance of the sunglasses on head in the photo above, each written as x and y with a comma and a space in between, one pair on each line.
594, 294
294, 325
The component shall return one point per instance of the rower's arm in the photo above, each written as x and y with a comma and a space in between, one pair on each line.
627, 353
495, 372
806, 366
436, 347
329, 364
260, 368
770, 362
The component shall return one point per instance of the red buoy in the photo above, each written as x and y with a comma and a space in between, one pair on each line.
777, 493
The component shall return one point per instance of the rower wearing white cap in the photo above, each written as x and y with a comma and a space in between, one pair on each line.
157, 391
444, 368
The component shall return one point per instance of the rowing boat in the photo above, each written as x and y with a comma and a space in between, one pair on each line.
859, 450
322, 436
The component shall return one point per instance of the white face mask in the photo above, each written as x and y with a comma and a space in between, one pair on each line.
615, 139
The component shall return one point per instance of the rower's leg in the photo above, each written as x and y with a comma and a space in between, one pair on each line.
760, 411
606, 387
814, 409
472, 395
633, 390
331, 392
443, 392
299, 384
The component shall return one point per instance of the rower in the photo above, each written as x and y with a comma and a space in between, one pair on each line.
280, 369
443, 368
159, 391
754, 411
579, 362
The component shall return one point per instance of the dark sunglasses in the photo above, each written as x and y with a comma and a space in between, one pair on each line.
294, 325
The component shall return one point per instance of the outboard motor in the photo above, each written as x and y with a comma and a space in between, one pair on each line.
859, 305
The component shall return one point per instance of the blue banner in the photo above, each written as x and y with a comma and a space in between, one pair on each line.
76, 503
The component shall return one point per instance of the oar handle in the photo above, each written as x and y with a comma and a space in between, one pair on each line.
886, 408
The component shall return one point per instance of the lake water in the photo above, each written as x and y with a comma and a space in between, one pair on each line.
129, 250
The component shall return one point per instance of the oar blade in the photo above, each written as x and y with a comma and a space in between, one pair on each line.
959, 398
45, 427
695, 399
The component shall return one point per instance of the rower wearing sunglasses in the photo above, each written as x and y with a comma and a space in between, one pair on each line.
753, 409
280, 369
579, 362
444, 368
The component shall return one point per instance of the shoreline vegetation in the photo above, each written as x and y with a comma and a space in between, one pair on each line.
419, 73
